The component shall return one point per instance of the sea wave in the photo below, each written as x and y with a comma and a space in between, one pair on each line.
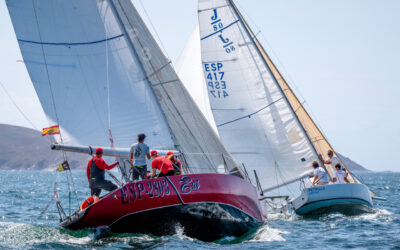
20, 235
266, 233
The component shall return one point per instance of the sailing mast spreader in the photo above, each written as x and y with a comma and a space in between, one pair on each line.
260, 119
95, 61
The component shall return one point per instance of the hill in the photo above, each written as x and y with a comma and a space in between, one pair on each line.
25, 148
353, 166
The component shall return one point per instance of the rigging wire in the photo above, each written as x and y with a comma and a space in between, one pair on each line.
110, 137
251, 35
107, 75
53, 102
18, 108
152, 26
292, 82
262, 79
167, 94
33, 125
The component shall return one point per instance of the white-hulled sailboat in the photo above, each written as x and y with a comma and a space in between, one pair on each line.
101, 77
259, 118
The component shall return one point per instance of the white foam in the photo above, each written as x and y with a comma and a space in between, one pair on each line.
267, 233
282, 216
378, 214
78, 241
19, 235
179, 230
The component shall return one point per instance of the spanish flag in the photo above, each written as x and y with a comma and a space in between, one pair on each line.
63, 166
51, 130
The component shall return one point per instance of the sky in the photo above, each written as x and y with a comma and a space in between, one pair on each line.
341, 57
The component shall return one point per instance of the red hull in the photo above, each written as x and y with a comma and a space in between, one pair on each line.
185, 199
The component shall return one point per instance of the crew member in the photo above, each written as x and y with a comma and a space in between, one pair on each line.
175, 163
320, 175
333, 160
340, 176
95, 174
141, 151
162, 163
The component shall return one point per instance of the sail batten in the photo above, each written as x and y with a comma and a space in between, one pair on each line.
108, 73
272, 71
314, 133
70, 43
249, 107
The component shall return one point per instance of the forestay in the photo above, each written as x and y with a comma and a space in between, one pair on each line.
321, 144
253, 117
319, 141
95, 66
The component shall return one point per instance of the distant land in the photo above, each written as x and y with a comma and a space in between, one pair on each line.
353, 166
24, 148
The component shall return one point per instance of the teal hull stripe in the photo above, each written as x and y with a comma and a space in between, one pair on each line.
308, 207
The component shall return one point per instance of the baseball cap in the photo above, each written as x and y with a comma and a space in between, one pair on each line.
99, 151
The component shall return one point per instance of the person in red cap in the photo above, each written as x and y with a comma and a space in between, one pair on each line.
162, 163
95, 173
175, 163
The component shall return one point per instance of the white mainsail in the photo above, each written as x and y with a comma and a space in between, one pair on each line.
95, 67
253, 116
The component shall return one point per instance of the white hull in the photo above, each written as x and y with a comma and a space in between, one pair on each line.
351, 198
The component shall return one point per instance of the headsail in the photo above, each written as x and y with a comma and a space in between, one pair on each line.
253, 116
94, 60
319, 141
189, 68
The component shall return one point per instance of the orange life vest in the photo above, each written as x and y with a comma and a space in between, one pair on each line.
88, 201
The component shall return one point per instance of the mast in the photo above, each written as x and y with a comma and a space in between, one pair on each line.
251, 35
284, 86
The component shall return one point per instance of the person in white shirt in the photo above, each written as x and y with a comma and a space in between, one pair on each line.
139, 152
333, 160
320, 175
340, 176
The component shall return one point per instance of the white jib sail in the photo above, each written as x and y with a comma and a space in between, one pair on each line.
253, 118
190, 70
95, 66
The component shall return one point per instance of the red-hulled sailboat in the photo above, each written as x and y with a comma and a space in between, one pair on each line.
102, 78
206, 206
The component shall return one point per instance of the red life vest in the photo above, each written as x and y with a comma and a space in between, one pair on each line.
88, 201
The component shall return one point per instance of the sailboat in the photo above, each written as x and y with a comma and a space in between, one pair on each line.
102, 78
259, 118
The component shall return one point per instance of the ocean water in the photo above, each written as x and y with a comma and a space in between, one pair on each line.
24, 195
